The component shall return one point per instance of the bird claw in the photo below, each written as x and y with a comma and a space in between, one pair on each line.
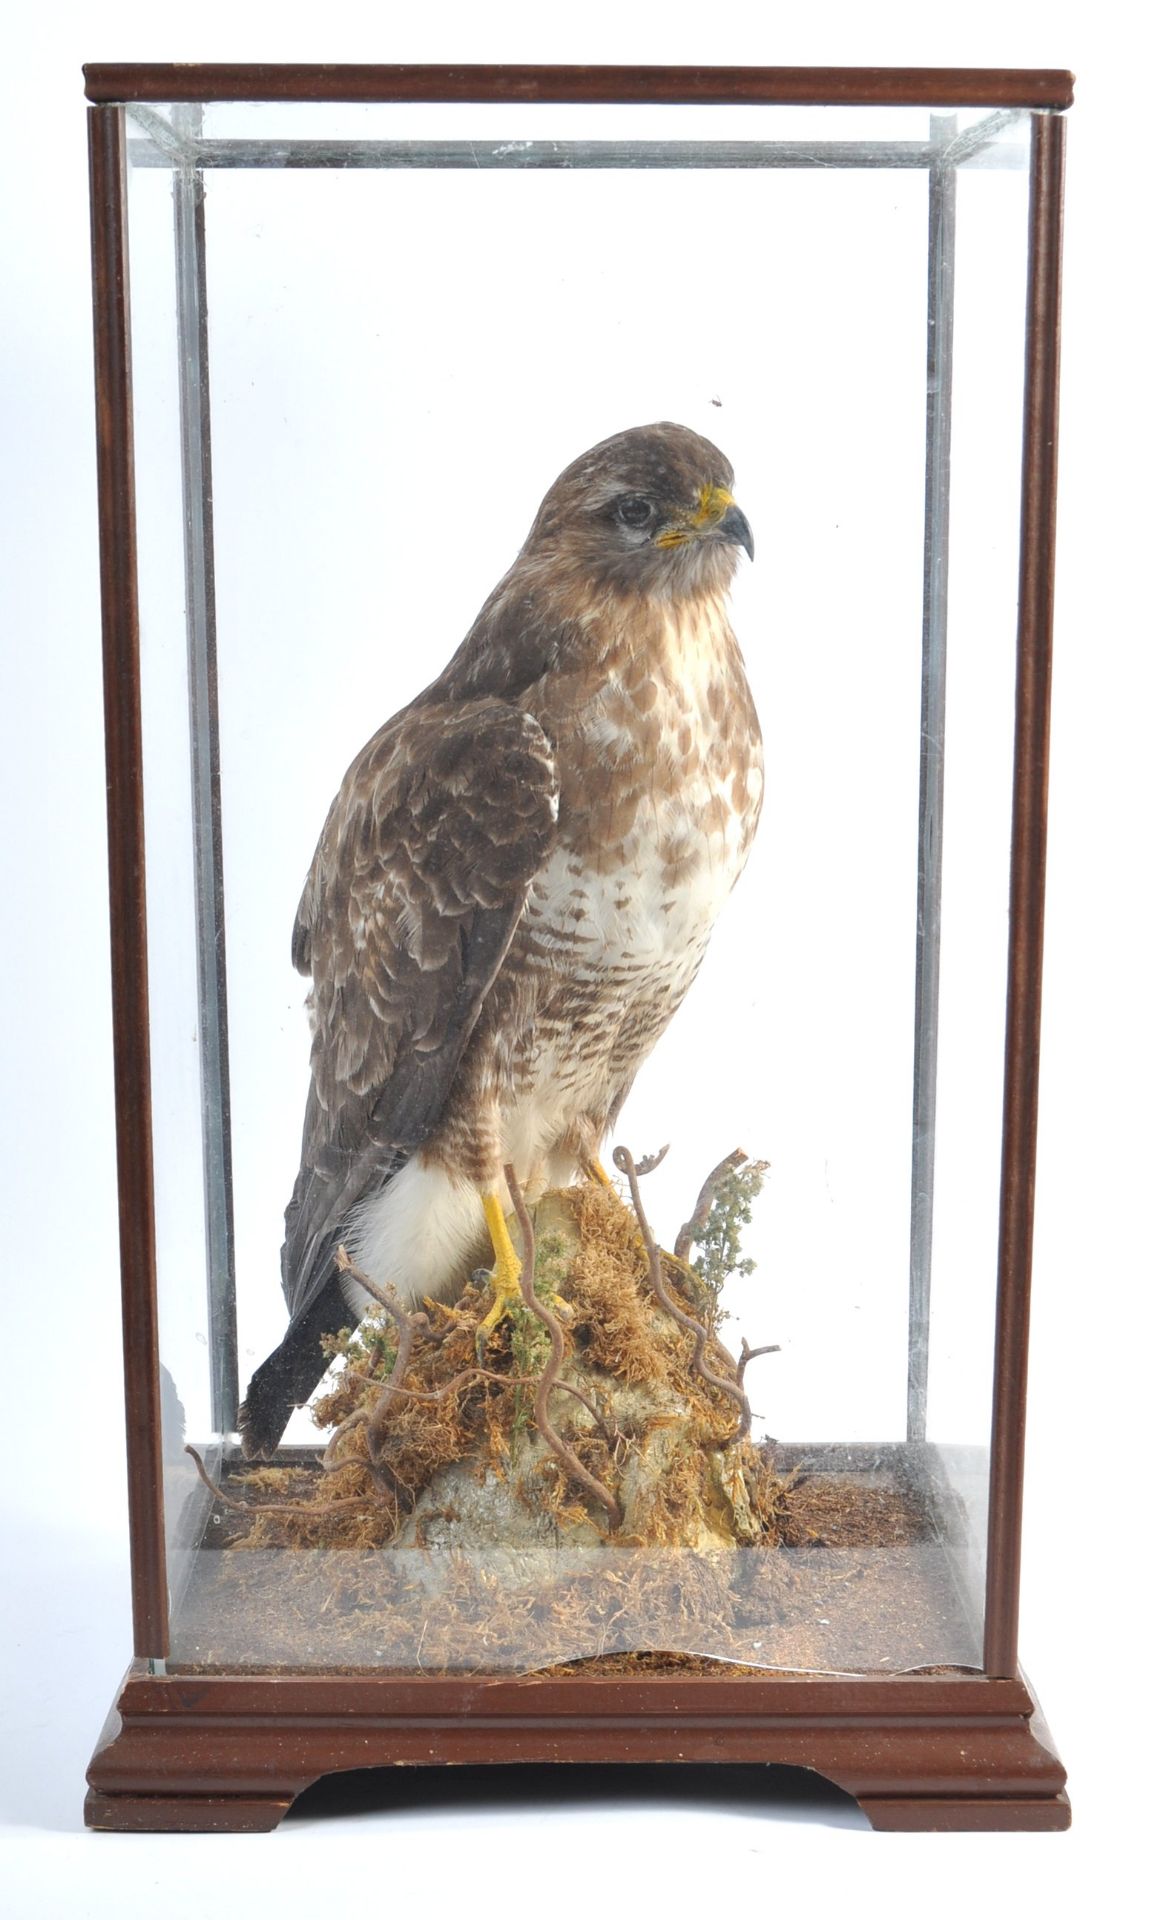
504, 1280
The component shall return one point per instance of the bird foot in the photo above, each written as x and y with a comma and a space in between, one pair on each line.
596, 1172
505, 1280
505, 1277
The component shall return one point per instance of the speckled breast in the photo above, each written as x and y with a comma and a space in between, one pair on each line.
660, 788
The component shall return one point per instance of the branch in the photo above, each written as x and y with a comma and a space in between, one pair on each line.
732, 1388
312, 1510
547, 1380
458, 1380
692, 1229
408, 1326
651, 1161
750, 1353
328, 1460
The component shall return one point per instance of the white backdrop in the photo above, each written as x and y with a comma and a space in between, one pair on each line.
66, 1623
400, 362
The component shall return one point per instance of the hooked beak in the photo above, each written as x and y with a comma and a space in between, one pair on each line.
718, 518
734, 530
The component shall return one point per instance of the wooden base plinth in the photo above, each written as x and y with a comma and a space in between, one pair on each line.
229, 1753
185, 1813
967, 1813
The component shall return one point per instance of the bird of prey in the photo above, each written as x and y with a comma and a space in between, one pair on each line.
513, 891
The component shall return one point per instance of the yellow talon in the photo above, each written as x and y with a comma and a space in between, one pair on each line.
505, 1273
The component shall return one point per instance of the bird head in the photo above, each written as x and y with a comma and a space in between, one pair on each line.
649, 511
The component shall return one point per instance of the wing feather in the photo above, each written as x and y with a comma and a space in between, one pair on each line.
410, 905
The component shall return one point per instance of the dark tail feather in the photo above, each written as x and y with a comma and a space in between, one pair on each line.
289, 1376
326, 1191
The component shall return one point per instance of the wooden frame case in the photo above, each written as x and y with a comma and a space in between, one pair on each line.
230, 1751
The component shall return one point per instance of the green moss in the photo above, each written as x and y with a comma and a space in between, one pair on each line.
530, 1340
369, 1348
718, 1254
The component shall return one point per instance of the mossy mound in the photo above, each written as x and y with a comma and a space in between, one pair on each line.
587, 1494
639, 1440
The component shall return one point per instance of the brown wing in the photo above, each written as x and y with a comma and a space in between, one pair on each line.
413, 896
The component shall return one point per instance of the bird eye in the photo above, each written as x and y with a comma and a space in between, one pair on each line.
634, 510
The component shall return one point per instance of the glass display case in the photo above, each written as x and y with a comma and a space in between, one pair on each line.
576, 1305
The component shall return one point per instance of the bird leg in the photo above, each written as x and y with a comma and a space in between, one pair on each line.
505, 1273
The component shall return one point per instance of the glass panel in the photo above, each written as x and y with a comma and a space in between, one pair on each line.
988, 372
402, 358
484, 135
186, 1334
352, 125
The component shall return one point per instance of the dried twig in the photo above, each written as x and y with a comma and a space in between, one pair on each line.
651, 1161
381, 1473
750, 1353
692, 1229
547, 1379
408, 1326
330, 1460
460, 1379
732, 1388
391, 1387
311, 1509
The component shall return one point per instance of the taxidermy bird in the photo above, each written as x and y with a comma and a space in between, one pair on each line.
513, 891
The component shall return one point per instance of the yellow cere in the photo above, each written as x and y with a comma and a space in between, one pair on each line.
714, 504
